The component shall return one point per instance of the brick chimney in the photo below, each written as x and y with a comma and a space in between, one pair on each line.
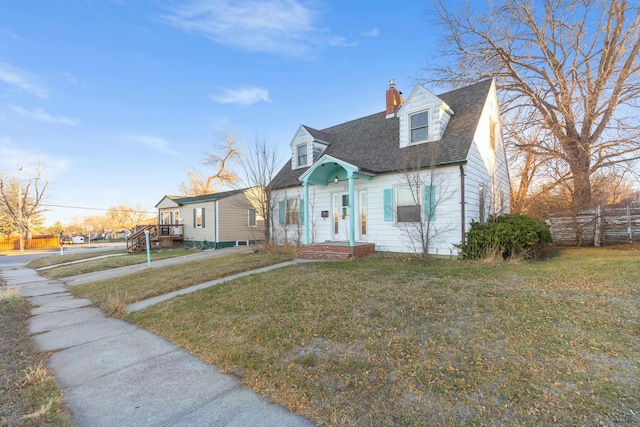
394, 98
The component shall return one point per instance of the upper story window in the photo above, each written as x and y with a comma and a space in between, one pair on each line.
301, 154
419, 124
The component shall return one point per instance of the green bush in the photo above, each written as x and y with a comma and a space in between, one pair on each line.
507, 236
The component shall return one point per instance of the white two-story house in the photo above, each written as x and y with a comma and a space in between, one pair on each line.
411, 178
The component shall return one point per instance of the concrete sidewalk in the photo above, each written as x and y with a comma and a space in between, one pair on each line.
117, 374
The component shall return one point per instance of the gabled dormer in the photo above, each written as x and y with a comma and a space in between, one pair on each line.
423, 117
307, 146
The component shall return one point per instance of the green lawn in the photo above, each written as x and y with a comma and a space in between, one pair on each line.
391, 340
112, 295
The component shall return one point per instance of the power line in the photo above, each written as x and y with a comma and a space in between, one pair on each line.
96, 209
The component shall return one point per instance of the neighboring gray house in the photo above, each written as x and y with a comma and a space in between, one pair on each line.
432, 163
216, 220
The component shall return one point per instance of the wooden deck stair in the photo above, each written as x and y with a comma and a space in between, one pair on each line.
137, 242
160, 235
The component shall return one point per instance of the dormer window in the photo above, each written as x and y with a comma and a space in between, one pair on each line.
419, 123
301, 153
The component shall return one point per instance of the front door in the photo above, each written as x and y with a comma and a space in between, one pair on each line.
341, 217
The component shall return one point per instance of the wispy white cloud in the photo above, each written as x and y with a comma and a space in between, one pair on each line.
374, 32
12, 156
274, 26
155, 143
42, 116
22, 80
5, 32
70, 78
243, 96
341, 42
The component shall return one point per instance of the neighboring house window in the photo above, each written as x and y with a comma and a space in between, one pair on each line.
177, 219
166, 217
492, 135
407, 205
293, 211
198, 218
481, 204
302, 154
253, 222
419, 123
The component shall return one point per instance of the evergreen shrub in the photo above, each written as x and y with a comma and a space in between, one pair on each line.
508, 236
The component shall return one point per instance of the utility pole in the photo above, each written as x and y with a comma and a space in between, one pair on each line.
20, 209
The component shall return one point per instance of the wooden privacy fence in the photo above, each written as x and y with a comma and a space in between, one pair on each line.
36, 242
604, 225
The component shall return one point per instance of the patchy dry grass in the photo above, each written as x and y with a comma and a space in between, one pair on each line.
29, 395
112, 295
91, 266
56, 259
390, 340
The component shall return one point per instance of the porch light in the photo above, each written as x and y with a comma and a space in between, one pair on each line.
336, 180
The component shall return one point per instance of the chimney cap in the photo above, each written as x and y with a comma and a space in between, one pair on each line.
392, 83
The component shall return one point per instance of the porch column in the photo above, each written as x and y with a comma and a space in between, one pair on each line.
305, 185
352, 211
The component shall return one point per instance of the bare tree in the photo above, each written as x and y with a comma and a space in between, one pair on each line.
124, 217
260, 164
226, 153
33, 192
425, 188
572, 64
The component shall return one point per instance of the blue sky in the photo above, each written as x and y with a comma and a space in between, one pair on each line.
117, 99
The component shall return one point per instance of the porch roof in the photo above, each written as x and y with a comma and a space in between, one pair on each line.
328, 168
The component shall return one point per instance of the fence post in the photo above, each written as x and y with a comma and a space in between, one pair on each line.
629, 228
597, 235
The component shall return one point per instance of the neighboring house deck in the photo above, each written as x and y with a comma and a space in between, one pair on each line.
408, 179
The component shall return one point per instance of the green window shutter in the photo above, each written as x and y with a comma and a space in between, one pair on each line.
301, 211
388, 204
429, 201
281, 211
202, 217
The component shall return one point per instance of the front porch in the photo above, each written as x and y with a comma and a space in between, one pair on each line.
336, 250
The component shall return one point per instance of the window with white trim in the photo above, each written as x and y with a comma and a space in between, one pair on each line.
407, 204
293, 211
253, 220
166, 217
301, 154
419, 126
198, 218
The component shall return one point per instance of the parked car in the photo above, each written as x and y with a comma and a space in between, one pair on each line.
66, 240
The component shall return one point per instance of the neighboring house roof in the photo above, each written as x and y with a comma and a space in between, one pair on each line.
373, 142
181, 200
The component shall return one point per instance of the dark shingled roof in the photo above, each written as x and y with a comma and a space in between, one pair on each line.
373, 142
181, 201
